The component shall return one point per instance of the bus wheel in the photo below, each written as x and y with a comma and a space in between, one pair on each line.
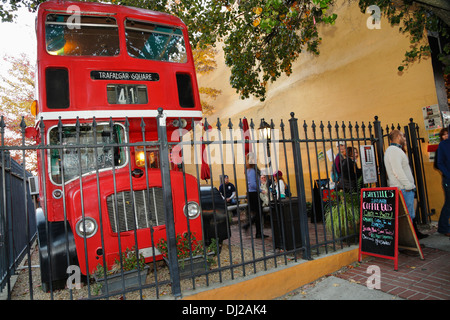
56, 252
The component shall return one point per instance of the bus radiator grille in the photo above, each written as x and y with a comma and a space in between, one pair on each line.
144, 211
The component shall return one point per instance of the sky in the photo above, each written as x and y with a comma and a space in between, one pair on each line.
18, 37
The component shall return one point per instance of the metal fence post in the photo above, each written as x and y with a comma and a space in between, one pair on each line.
5, 271
8, 216
380, 151
419, 174
300, 186
168, 204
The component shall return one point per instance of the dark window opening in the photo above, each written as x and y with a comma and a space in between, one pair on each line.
57, 88
185, 92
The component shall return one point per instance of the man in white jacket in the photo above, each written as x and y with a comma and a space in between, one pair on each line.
399, 172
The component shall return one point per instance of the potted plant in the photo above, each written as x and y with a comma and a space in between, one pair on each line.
116, 280
190, 253
342, 214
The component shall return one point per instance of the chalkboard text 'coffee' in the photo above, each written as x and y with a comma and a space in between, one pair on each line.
378, 221
385, 225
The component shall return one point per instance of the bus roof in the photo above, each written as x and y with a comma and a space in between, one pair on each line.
104, 8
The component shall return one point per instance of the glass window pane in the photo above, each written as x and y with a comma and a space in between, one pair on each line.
71, 35
72, 159
154, 42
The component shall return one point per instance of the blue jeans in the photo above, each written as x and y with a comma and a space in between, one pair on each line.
443, 225
409, 201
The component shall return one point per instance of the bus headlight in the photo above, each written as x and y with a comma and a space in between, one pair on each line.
192, 210
86, 228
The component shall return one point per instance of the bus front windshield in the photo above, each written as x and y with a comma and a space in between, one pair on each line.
85, 151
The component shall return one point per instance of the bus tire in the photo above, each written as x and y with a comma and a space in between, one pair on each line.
53, 249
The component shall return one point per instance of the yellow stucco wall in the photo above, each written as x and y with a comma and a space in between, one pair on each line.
355, 78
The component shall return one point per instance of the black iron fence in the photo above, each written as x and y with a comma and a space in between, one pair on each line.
314, 211
17, 218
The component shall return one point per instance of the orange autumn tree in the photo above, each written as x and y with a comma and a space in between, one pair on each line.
16, 96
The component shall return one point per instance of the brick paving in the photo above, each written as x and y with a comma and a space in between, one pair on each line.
416, 279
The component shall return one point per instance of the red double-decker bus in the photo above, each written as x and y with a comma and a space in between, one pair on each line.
102, 73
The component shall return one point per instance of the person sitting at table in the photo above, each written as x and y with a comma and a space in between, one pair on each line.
264, 191
228, 191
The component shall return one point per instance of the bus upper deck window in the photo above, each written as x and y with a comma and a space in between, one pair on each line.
155, 42
83, 36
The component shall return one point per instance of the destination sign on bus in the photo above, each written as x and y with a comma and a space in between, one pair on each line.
124, 75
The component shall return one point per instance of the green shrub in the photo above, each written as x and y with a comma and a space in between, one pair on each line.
342, 214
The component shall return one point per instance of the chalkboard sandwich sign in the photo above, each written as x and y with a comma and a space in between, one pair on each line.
385, 224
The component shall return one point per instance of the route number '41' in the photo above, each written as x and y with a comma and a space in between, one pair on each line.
127, 94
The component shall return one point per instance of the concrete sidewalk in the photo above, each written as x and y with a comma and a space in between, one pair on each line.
416, 279
334, 288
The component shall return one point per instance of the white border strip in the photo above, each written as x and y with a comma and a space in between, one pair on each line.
106, 114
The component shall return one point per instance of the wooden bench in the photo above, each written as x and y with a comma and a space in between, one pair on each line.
243, 205
242, 200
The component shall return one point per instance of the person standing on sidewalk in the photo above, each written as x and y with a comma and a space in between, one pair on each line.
399, 173
443, 135
443, 163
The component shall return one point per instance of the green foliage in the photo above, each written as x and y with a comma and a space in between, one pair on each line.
342, 214
262, 38
8, 8
187, 246
275, 33
417, 20
129, 262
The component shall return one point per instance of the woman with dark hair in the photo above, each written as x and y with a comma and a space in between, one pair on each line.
350, 171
